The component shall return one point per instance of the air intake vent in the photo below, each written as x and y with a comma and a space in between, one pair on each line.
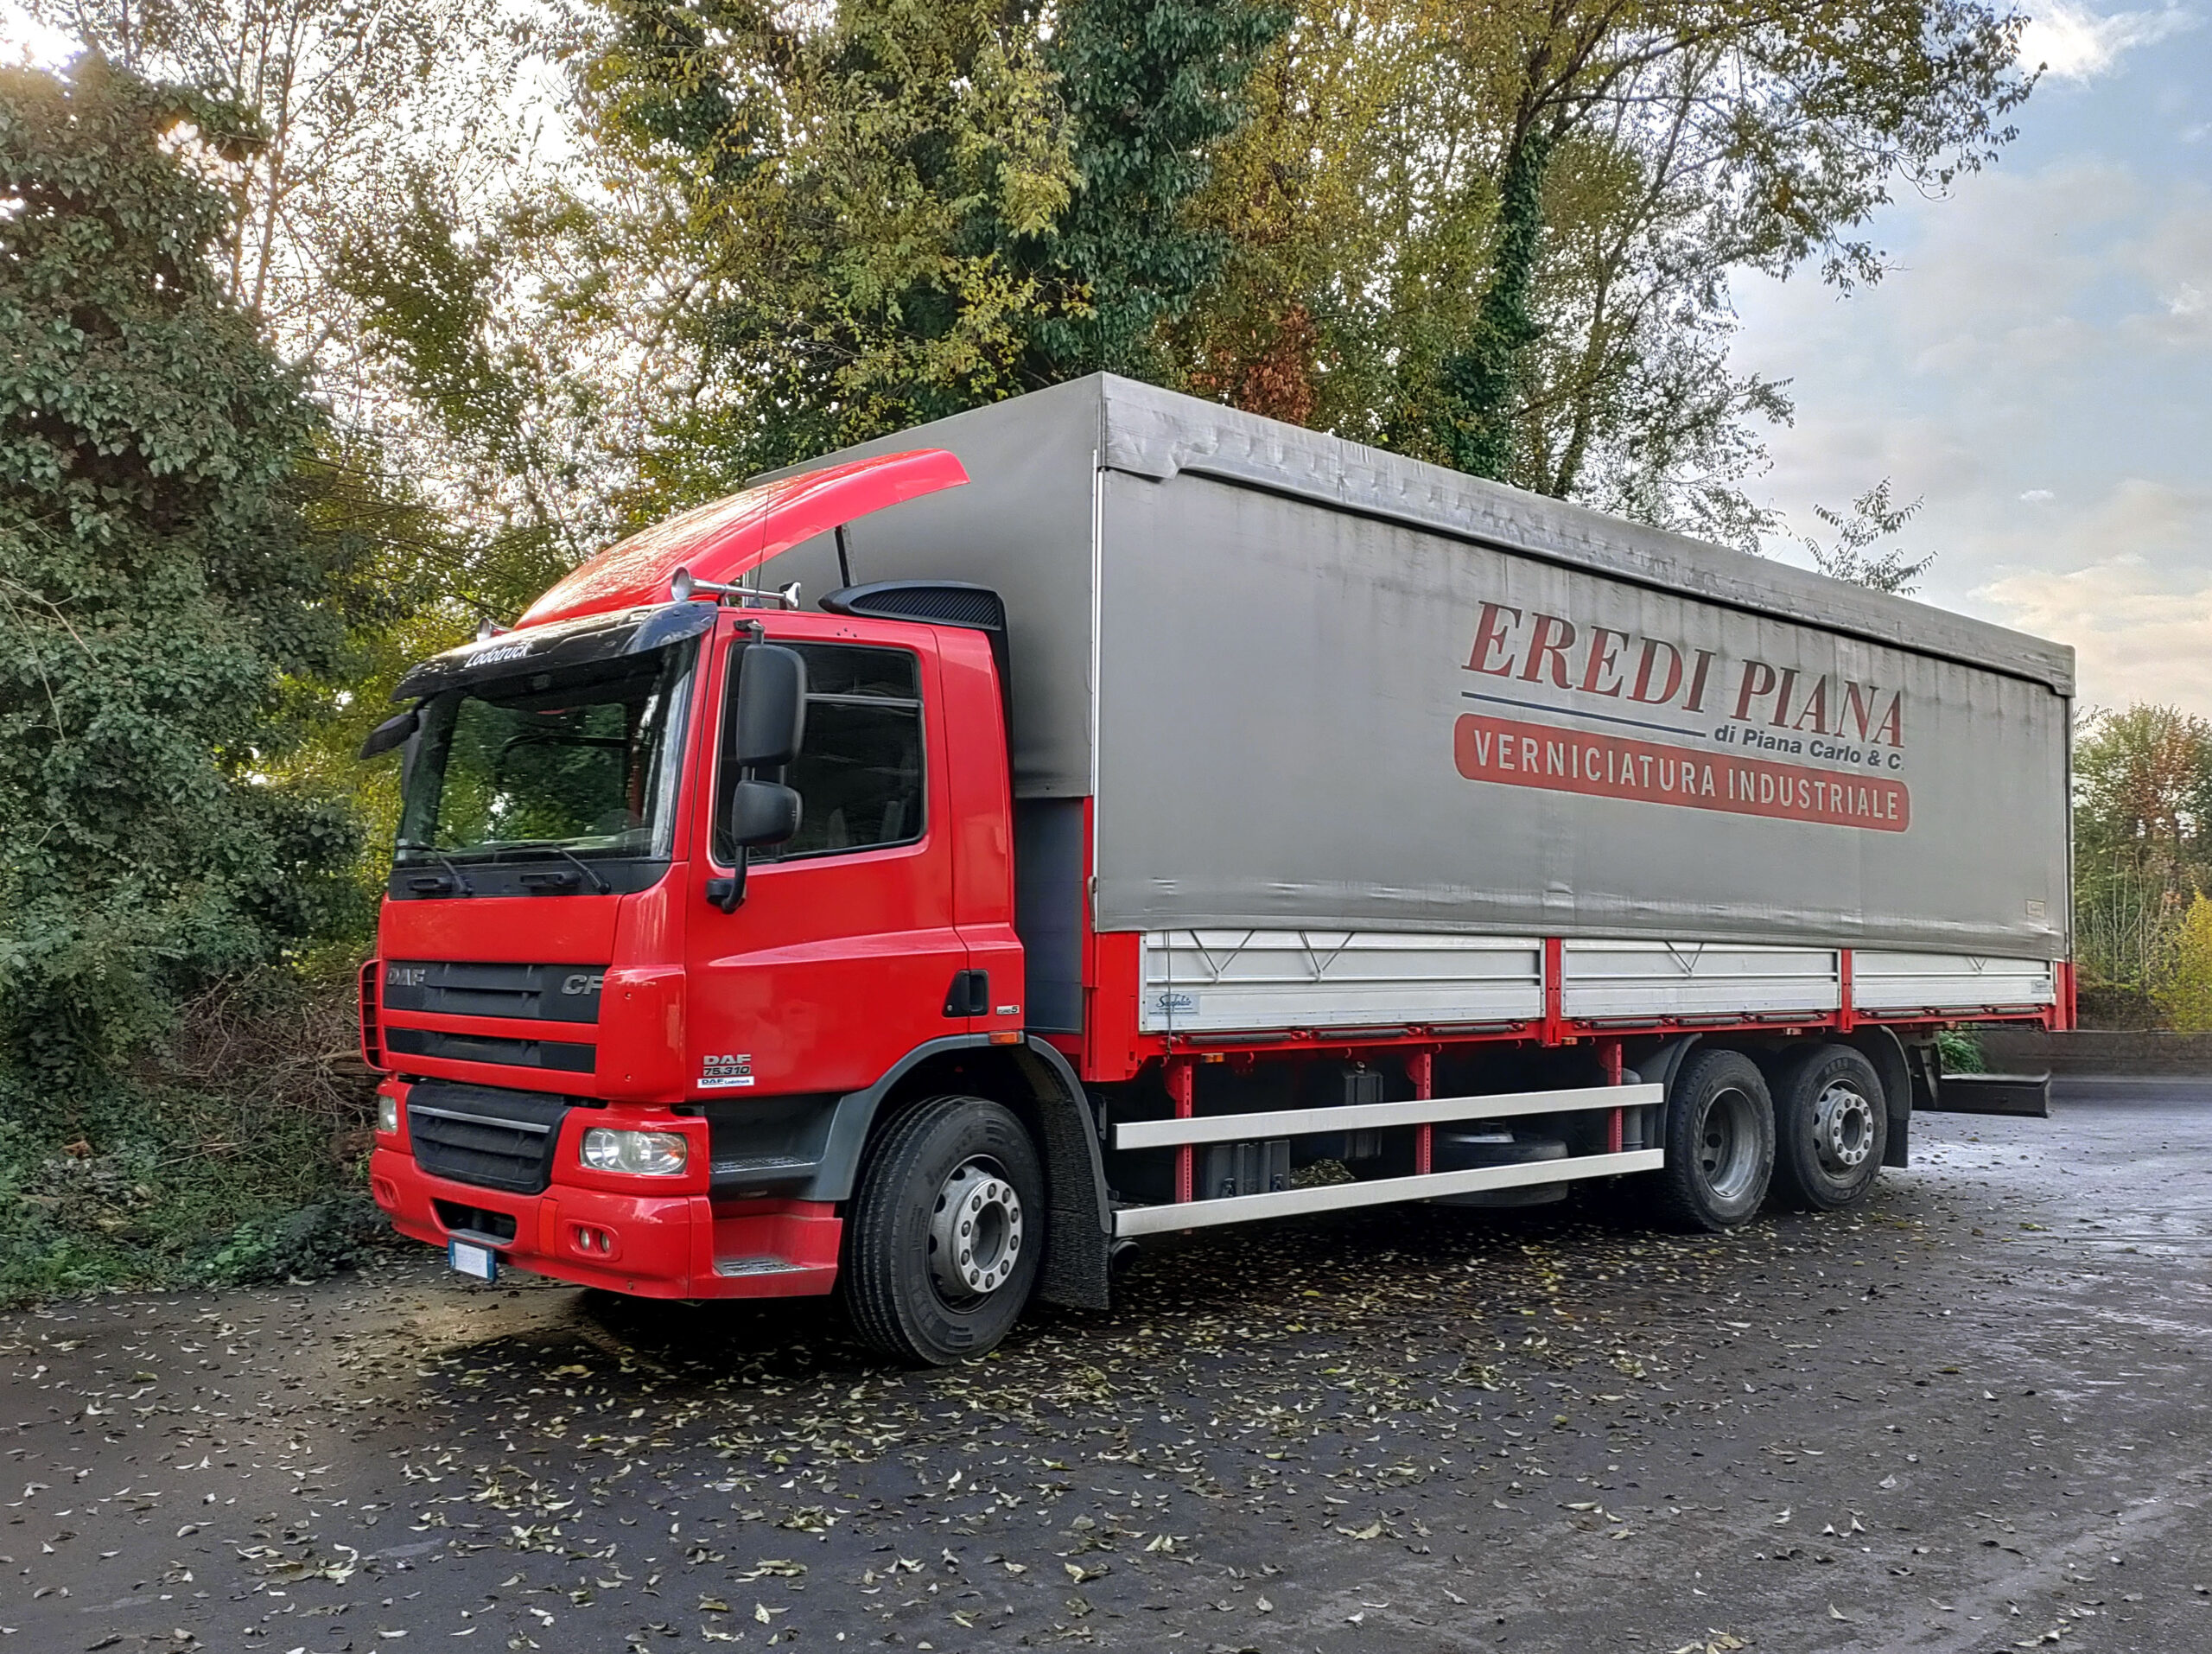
936, 602
483, 1135
372, 1037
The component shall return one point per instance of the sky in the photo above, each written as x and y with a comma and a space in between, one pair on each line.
2035, 367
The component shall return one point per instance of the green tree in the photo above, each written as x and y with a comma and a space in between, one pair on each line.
1500, 236
2142, 848
1873, 518
888, 210
838, 197
165, 591
2185, 996
1151, 88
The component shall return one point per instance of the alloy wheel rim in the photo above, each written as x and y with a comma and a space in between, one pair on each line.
1843, 1128
975, 1236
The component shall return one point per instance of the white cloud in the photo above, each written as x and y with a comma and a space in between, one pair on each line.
2074, 43
2036, 496
2128, 582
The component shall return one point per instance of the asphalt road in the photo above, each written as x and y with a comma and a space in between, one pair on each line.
1970, 1416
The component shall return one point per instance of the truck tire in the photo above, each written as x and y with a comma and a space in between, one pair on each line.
1831, 1127
944, 1232
1719, 1142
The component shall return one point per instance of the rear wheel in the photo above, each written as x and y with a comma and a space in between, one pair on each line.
945, 1231
1719, 1143
1831, 1126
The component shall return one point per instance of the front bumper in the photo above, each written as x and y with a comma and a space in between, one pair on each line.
646, 1245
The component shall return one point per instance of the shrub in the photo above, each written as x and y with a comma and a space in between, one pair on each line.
2185, 996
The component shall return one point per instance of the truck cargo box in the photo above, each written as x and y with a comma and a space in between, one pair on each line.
1318, 696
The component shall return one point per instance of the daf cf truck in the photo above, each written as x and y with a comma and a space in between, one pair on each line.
925, 874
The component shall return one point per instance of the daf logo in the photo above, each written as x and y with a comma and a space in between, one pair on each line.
407, 976
583, 984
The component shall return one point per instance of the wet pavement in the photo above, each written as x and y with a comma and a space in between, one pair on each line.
1971, 1416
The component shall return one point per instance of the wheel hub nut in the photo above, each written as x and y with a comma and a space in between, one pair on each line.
1844, 1128
974, 1233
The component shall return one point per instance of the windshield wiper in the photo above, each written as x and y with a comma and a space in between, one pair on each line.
460, 879
599, 885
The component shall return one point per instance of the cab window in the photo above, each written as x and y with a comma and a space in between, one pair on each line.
859, 774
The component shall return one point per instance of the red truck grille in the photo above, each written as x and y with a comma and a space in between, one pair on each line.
483, 1135
538, 993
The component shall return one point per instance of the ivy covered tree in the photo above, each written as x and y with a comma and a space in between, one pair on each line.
1152, 88
167, 580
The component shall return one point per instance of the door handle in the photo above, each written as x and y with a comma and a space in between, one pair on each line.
970, 994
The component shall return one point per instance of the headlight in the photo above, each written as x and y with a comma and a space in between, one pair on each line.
644, 1154
387, 1113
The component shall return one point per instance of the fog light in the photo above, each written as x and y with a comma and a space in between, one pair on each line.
642, 1154
387, 1113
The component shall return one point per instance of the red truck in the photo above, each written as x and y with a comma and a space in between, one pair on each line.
1164, 818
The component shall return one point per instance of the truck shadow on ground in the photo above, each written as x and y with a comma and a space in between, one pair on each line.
1424, 1273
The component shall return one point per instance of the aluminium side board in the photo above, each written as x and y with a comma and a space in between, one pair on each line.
1309, 687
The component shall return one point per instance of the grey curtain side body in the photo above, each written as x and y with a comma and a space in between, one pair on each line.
1311, 685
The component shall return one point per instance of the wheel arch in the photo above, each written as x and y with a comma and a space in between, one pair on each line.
1882, 1047
1036, 1082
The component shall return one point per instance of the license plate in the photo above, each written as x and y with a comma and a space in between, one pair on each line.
478, 1263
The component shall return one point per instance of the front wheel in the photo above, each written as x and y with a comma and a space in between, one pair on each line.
1831, 1126
943, 1234
1719, 1143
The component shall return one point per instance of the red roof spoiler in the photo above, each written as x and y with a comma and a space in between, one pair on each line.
730, 538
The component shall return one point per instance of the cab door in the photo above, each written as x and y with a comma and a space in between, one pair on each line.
843, 956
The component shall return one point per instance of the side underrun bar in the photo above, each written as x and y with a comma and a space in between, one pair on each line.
1366, 1116
1181, 1132
1132, 1221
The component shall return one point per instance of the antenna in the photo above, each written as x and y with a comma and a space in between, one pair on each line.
844, 568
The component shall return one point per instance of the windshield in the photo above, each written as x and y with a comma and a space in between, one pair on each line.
579, 762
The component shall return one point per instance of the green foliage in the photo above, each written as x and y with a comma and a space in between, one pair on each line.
1151, 88
161, 583
1873, 518
1479, 385
2185, 995
1960, 1052
843, 194
891, 211
191, 1162
2142, 850
178, 569
1500, 237
305, 1244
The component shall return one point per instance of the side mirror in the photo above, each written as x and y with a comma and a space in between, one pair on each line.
759, 813
762, 813
771, 709
392, 732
